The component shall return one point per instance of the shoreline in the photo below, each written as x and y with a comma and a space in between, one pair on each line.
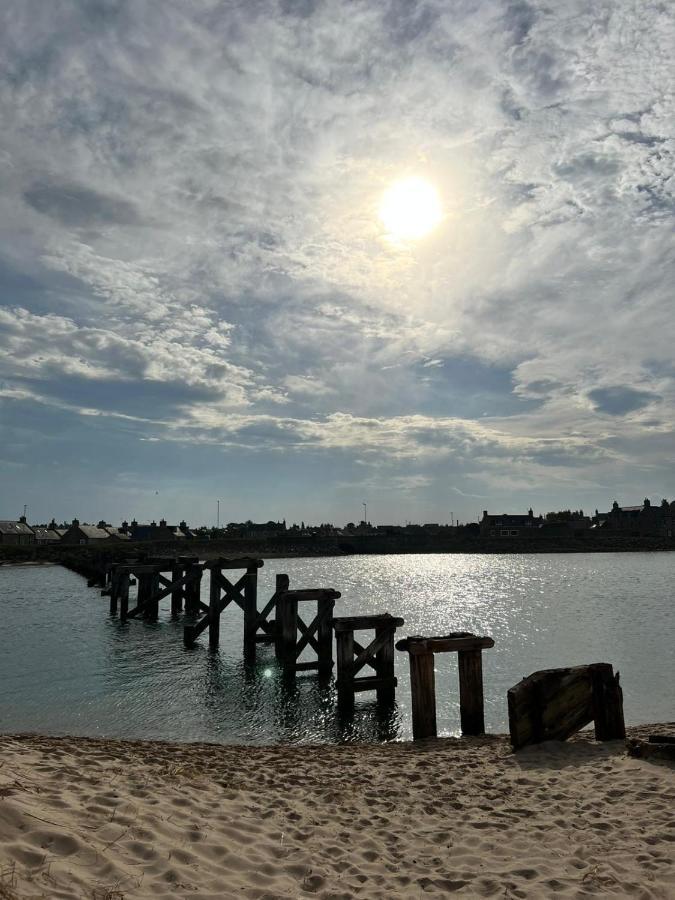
95, 817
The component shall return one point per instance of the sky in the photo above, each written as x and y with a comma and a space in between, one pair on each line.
199, 300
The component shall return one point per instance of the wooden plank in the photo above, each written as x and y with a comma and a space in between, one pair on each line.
314, 594
306, 666
354, 623
237, 562
448, 643
423, 695
139, 569
373, 683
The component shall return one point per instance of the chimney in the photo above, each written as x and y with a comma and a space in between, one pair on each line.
485, 513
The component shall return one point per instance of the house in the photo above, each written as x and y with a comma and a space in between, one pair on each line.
157, 532
117, 534
84, 534
510, 525
635, 521
45, 535
16, 532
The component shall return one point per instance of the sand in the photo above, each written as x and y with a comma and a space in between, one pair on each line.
111, 819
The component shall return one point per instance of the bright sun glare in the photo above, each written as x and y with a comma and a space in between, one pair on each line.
410, 209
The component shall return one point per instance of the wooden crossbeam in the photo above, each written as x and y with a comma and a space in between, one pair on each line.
170, 586
233, 592
308, 639
359, 649
365, 655
373, 682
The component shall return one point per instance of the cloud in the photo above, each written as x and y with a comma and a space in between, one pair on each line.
189, 231
79, 206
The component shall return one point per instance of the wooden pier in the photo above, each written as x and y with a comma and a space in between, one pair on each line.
378, 655
154, 585
222, 592
469, 648
294, 634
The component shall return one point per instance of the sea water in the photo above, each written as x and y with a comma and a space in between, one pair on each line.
67, 667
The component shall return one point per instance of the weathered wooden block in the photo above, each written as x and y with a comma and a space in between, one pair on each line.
554, 704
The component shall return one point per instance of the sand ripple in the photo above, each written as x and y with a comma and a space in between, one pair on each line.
111, 820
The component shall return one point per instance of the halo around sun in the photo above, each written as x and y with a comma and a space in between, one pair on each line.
410, 209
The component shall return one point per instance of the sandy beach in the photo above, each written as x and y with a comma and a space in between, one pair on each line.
111, 820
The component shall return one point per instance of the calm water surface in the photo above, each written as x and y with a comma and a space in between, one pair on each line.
67, 667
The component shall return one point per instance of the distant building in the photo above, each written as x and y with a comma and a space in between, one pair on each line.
636, 521
157, 532
84, 534
45, 535
117, 534
16, 532
510, 525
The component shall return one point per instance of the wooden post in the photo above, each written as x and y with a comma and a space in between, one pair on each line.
282, 585
176, 593
114, 581
144, 590
423, 695
287, 609
345, 668
324, 635
193, 589
123, 594
471, 709
153, 602
214, 611
384, 664
607, 704
250, 612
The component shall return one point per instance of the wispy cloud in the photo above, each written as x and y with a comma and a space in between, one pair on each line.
190, 239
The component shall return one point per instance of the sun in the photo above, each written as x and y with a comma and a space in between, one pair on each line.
410, 209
